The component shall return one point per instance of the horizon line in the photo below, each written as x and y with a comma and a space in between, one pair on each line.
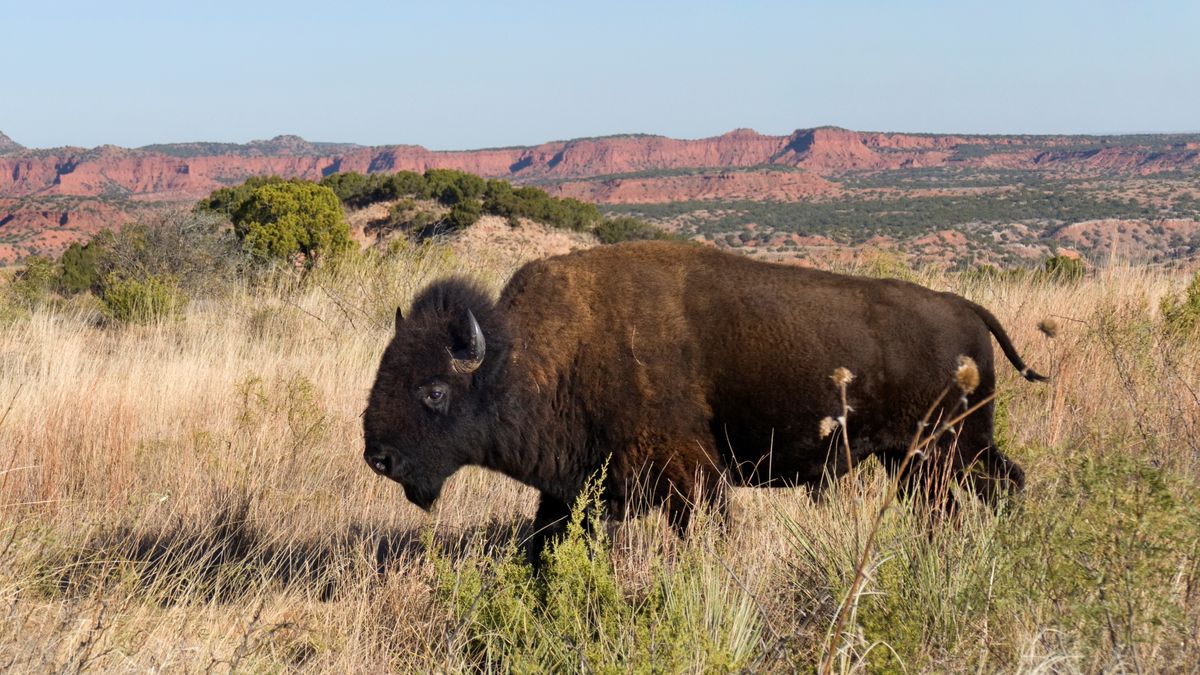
631, 134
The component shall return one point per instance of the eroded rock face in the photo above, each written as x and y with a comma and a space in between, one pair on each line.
9, 145
74, 191
49, 226
759, 185
191, 171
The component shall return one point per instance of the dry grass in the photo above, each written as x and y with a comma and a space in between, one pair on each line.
190, 496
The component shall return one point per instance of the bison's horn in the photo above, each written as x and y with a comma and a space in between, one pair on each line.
472, 357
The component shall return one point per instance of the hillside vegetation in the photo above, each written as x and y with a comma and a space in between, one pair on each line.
188, 494
270, 228
1005, 217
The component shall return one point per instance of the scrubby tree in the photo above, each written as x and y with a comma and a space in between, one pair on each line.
1063, 268
407, 184
1182, 314
147, 270
80, 269
627, 228
279, 221
227, 201
197, 250
348, 186
143, 300
451, 187
32, 284
573, 214
502, 199
357, 190
463, 215
498, 199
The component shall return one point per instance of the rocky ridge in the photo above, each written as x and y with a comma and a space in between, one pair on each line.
52, 196
193, 170
8, 145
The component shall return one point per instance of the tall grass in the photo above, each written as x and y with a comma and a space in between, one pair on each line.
189, 495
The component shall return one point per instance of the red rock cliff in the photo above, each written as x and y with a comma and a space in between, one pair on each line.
79, 190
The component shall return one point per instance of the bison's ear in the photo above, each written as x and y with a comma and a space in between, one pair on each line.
399, 318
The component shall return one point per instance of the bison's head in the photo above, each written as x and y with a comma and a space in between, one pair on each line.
426, 415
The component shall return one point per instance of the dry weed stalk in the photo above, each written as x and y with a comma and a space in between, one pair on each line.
842, 377
966, 376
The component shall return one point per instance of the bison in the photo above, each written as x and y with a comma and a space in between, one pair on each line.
685, 369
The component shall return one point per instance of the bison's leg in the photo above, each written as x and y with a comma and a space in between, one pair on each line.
926, 478
676, 476
704, 486
991, 474
968, 458
988, 472
548, 524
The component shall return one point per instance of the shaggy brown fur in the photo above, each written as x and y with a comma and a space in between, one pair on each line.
683, 367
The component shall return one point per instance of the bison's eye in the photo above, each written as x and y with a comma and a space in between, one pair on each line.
435, 396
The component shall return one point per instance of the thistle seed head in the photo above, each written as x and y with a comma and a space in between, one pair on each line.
842, 377
1048, 326
967, 375
828, 426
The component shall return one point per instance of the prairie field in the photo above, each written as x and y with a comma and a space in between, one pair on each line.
189, 495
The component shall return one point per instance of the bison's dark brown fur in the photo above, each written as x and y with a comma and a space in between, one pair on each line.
682, 367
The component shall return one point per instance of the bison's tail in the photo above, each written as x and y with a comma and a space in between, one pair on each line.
1005, 344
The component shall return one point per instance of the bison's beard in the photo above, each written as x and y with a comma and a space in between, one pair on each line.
422, 496
421, 478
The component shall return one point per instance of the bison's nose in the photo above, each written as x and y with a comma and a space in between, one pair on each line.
379, 460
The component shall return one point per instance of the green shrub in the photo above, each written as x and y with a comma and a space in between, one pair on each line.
227, 201
498, 199
281, 221
32, 285
886, 264
1063, 269
80, 269
463, 215
628, 228
693, 615
143, 300
348, 185
406, 184
1182, 315
502, 199
451, 187
570, 214
357, 190
1106, 555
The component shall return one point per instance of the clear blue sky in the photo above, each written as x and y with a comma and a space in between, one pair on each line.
467, 75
